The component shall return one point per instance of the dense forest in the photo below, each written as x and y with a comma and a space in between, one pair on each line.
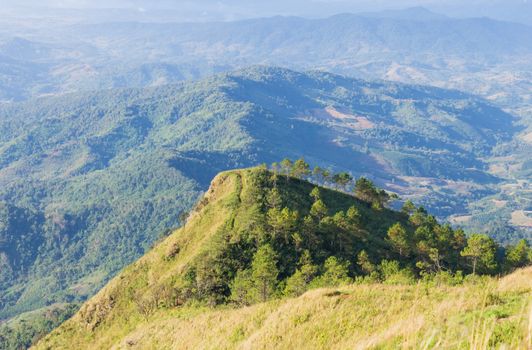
288, 244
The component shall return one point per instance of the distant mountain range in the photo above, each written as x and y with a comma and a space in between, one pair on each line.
411, 45
211, 10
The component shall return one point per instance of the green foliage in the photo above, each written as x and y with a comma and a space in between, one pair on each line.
445, 278
335, 273
315, 194
27, 329
365, 263
242, 287
518, 255
408, 207
342, 179
300, 169
319, 210
282, 223
286, 166
391, 273
365, 190
300, 281
274, 199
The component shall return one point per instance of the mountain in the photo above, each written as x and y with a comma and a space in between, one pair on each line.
191, 290
89, 181
418, 13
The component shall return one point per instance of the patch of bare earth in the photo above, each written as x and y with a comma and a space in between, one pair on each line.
527, 138
460, 219
339, 116
499, 203
522, 218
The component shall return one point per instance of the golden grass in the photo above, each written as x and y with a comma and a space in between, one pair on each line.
372, 316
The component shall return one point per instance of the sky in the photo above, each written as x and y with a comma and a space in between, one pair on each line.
515, 10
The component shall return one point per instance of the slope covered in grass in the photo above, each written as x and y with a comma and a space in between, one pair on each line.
183, 293
488, 313
229, 209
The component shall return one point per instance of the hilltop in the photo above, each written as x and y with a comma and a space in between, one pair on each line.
257, 235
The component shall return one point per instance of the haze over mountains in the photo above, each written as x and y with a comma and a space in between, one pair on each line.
413, 45
204, 10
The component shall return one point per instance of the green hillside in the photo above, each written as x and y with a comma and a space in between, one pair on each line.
89, 181
259, 236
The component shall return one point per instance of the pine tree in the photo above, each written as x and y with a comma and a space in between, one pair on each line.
286, 167
366, 191
354, 220
419, 217
319, 210
298, 283
399, 239
275, 173
300, 169
336, 272
364, 262
342, 179
518, 255
326, 174
315, 193
273, 198
317, 174
480, 250
354, 216
242, 287
264, 273
295, 284
408, 208
282, 222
